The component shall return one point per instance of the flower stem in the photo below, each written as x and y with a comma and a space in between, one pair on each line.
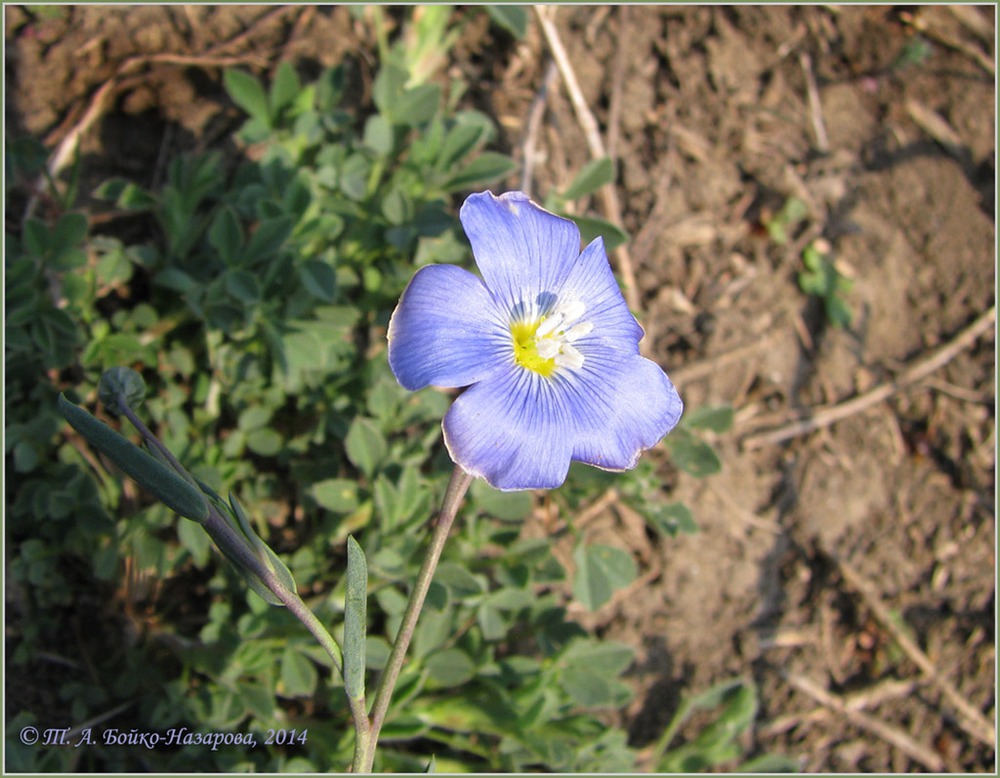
152, 440
457, 487
230, 541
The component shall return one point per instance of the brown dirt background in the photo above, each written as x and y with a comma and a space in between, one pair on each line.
812, 548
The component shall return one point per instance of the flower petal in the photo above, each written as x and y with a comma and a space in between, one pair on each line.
592, 282
521, 249
445, 330
622, 404
513, 430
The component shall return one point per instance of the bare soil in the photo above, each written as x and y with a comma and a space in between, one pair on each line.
813, 548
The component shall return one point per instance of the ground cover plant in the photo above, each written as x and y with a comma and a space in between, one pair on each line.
246, 265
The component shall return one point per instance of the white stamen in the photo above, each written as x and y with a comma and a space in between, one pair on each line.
547, 348
550, 324
569, 357
556, 331
571, 310
577, 331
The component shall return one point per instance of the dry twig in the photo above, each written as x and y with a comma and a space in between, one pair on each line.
535, 114
919, 23
897, 737
815, 106
970, 719
588, 124
824, 417
101, 100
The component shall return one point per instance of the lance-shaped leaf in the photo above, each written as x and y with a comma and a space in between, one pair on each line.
263, 552
355, 620
151, 474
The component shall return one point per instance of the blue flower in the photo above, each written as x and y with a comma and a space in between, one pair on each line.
545, 344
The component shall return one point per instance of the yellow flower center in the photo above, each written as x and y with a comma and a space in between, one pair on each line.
542, 344
526, 350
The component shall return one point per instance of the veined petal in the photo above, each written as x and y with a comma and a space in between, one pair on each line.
592, 281
521, 249
512, 430
445, 330
622, 404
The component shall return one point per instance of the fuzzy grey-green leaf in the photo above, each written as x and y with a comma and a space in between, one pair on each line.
355, 620
158, 479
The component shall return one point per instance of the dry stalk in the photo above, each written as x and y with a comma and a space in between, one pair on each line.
970, 719
824, 417
609, 197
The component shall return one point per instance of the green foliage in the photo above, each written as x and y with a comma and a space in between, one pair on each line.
792, 214
600, 571
256, 310
915, 52
733, 705
822, 279
591, 178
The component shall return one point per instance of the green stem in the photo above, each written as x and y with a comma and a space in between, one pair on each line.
457, 488
152, 440
227, 538
236, 546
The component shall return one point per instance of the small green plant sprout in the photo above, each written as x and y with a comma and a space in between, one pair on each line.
732, 707
823, 279
915, 52
780, 225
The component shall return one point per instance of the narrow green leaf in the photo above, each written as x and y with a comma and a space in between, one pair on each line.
266, 554
248, 94
592, 177
513, 18
284, 88
158, 479
717, 418
488, 167
355, 620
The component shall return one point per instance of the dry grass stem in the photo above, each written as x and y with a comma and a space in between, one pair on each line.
824, 417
